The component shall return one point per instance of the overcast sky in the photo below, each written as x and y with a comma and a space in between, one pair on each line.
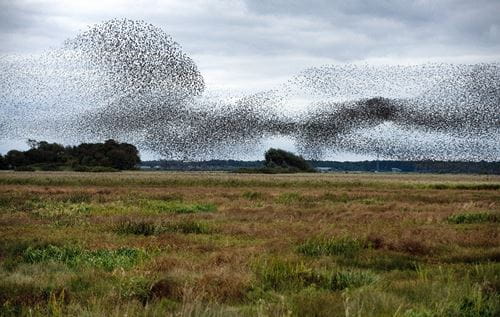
255, 44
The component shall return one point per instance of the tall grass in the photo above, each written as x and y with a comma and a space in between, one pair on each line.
477, 217
176, 206
76, 257
147, 228
152, 244
285, 275
332, 246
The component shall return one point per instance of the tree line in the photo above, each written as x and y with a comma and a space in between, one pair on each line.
110, 155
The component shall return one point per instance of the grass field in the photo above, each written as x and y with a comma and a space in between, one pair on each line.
219, 244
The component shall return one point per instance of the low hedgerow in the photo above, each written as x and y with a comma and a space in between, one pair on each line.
477, 217
147, 228
76, 257
332, 246
283, 275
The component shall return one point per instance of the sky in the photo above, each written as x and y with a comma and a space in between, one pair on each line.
251, 45
246, 46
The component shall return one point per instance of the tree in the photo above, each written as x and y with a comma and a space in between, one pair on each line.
284, 159
3, 163
44, 155
33, 144
15, 158
44, 152
110, 154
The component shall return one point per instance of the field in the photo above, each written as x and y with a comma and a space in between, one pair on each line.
220, 244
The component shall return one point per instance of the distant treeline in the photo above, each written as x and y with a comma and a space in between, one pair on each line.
107, 156
363, 166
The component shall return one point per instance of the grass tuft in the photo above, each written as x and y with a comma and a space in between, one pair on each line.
76, 257
177, 207
283, 275
148, 228
253, 195
331, 246
478, 217
289, 198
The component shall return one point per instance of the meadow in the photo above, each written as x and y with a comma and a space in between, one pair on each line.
222, 244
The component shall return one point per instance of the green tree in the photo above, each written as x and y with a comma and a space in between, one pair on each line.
3, 163
16, 158
284, 159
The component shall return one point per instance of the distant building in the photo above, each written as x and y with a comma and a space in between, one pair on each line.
324, 169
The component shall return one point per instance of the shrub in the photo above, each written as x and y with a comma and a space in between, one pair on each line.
284, 159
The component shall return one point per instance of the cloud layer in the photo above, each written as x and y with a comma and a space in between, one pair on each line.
247, 45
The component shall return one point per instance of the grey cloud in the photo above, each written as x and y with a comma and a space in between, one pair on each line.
462, 25
315, 30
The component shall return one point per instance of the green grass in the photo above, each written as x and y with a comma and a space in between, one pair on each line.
147, 228
76, 257
222, 244
252, 195
160, 206
278, 274
289, 198
476, 217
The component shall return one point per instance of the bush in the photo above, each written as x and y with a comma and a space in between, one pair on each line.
277, 158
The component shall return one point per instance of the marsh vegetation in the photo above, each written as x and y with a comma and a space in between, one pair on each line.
222, 244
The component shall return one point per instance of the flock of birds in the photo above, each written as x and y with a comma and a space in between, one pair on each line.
130, 81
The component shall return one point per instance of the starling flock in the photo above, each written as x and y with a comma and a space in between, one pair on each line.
130, 81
